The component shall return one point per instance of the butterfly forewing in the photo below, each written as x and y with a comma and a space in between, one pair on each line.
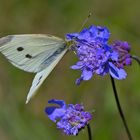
31, 53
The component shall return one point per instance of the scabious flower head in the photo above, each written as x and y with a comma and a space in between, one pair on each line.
69, 118
94, 53
123, 49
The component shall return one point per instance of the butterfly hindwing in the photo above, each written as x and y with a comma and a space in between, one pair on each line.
31, 52
41, 76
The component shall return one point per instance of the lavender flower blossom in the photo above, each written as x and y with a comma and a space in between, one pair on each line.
123, 49
69, 118
94, 53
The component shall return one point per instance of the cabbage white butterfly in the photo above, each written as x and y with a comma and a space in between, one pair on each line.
35, 53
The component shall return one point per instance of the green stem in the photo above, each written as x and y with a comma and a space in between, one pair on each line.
136, 58
120, 109
89, 132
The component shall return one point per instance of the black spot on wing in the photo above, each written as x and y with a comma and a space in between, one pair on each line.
20, 49
28, 56
40, 77
39, 80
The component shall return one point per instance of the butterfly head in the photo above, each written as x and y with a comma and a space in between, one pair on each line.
71, 44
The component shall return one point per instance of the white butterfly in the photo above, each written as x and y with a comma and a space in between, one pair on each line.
33, 53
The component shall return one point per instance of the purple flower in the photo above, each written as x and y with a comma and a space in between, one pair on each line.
123, 49
69, 118
94, 53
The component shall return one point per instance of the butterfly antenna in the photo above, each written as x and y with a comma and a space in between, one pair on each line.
85, 21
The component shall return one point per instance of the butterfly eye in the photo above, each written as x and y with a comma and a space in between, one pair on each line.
20, 49
28, 56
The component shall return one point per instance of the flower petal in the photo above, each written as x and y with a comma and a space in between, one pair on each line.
54, 112
84, 35
78, 81
128, 61
103, 33
71, 36
78, 65
114, 55
61, 103
116, 72
86, 74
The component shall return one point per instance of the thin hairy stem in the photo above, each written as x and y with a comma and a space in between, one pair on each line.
120, 109
136, 58
89, 132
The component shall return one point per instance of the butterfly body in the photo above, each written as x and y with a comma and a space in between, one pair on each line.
35, 53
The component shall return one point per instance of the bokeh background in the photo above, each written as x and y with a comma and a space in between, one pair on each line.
58, 17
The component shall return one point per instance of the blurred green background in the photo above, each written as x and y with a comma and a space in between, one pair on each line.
58, 17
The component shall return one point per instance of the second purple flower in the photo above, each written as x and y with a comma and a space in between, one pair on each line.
69, 118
